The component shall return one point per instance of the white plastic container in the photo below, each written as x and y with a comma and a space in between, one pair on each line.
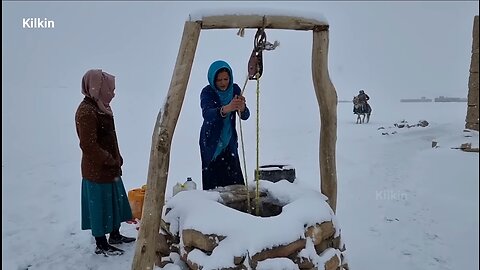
188, 185
177, 188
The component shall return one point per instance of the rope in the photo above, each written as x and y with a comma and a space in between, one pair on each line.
244, 84
257, 174
257, 77
243, 152
260, 44
257, 171
269, 46
244, 166
241, 32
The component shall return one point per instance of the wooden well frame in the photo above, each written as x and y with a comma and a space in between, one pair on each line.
148, 242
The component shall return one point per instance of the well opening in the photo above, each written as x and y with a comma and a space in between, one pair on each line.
235, 197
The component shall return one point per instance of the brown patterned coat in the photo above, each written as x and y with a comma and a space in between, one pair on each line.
101, 159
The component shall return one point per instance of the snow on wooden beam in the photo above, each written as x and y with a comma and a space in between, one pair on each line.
257, 21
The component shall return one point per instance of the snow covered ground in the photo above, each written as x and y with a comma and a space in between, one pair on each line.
401, 203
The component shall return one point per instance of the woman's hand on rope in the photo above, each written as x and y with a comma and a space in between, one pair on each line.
237, 104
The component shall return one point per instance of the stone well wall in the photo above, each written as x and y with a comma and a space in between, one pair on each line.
322, 239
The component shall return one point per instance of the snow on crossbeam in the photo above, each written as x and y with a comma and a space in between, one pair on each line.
256, 20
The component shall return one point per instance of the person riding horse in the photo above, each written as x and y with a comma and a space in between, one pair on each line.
361, 107
360, 103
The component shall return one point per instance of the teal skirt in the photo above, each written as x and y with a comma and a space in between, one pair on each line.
104, 206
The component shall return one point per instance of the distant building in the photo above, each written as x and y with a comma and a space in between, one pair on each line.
422, 99
450, 99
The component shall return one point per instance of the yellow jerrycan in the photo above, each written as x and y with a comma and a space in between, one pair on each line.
136, 197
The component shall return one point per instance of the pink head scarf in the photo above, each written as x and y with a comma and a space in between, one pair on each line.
99, 86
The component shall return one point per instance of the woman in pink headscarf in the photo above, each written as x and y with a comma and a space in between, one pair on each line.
104, 200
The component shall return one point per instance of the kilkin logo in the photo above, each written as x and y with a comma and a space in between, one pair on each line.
37, 23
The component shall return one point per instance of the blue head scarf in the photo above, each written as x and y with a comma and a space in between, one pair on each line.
225, 98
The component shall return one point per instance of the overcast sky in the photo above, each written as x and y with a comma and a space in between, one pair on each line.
392, 50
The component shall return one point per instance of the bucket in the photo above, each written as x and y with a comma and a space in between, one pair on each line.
275, 173
135, 198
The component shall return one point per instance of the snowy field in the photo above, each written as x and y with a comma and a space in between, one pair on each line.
401, 203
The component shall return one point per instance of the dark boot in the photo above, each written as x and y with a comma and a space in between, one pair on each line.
117, 238
104, 248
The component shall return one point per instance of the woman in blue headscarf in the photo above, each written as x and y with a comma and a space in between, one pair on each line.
220, 100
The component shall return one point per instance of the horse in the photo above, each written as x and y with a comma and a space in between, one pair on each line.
361, 109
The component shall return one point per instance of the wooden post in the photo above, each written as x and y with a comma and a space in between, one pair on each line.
148, 246
327, 102
473, 85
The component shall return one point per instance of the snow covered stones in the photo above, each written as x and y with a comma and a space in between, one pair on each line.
296, 229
